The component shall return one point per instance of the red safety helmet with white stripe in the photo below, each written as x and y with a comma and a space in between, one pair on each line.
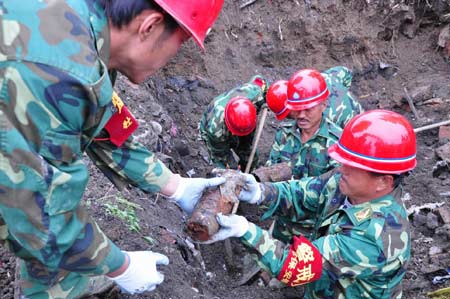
381, 141
307, 88
276, 99
240, 116
196, 17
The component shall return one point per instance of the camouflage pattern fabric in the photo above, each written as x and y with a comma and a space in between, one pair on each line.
214, 132
306, 160
365, 248
55, 98
342, 105
309, 158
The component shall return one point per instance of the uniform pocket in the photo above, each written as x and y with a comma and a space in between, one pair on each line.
60, 148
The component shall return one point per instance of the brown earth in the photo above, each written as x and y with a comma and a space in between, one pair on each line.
389, 45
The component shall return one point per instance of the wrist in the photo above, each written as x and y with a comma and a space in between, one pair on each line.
172, 185
122, 268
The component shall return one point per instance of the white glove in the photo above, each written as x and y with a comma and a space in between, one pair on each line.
252, 191
190, 190
230, 226
141, 274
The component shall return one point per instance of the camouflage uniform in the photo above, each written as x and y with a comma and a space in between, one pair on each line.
307, 159
341, 106
55, 98
364, 248
214, 132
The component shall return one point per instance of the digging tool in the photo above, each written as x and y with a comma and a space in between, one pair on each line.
228, 249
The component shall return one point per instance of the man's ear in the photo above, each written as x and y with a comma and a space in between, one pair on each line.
385, 182
149, 22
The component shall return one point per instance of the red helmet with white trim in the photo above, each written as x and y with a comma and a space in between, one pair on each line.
240, 116
276, 99
306, 89
197, 17
381, 141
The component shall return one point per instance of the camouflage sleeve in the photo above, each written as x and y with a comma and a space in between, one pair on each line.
130, 164
335, 256
275, 155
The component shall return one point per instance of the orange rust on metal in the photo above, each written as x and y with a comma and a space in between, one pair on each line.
203, 224
275, 173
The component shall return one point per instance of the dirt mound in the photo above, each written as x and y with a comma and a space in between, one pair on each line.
396, 49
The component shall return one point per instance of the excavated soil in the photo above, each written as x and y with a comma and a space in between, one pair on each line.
391, 46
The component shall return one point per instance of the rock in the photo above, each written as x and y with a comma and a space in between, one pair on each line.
432, 221
444, 213
439, 168
421, 93
181, 147
443, 152
443, 231
157, 128
434, 250
419, 220
444, 133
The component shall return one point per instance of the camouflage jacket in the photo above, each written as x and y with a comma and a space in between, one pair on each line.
309, 158
341, 103
55, 98
214, 132
364, 248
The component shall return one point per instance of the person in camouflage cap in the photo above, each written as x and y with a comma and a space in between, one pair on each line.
228, 123
361, 243
57, 62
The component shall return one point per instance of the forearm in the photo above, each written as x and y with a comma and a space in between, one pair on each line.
130, 164
272, 252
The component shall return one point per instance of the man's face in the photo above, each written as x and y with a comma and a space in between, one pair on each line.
310, 118
145, 56
359, 185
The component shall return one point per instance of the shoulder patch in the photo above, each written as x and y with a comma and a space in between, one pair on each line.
363, 214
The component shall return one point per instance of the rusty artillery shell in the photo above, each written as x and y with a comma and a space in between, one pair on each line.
275, 173
203, 224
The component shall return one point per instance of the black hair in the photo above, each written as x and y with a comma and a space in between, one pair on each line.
122, 12
398, 178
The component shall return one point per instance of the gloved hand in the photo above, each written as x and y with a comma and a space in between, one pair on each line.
231, 226
190, 190
252, 192
141, 274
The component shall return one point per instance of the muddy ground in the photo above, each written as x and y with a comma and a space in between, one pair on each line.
389, 45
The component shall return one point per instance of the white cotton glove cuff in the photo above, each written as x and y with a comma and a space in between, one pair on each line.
252, 192
141, 274
177, 195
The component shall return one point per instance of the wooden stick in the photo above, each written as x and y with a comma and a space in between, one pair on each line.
411, 103
432, 126
247, 4
228, 249
259, 130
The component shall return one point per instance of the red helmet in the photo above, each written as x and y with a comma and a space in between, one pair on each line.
240, 116
306, 89
381, 141
197, 17
276, 99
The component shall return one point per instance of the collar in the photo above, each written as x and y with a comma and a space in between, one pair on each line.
363, 212
100, 29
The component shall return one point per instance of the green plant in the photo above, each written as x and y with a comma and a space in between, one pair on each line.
126, 211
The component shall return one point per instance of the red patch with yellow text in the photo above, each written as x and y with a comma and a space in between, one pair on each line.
303, 264
122, 124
